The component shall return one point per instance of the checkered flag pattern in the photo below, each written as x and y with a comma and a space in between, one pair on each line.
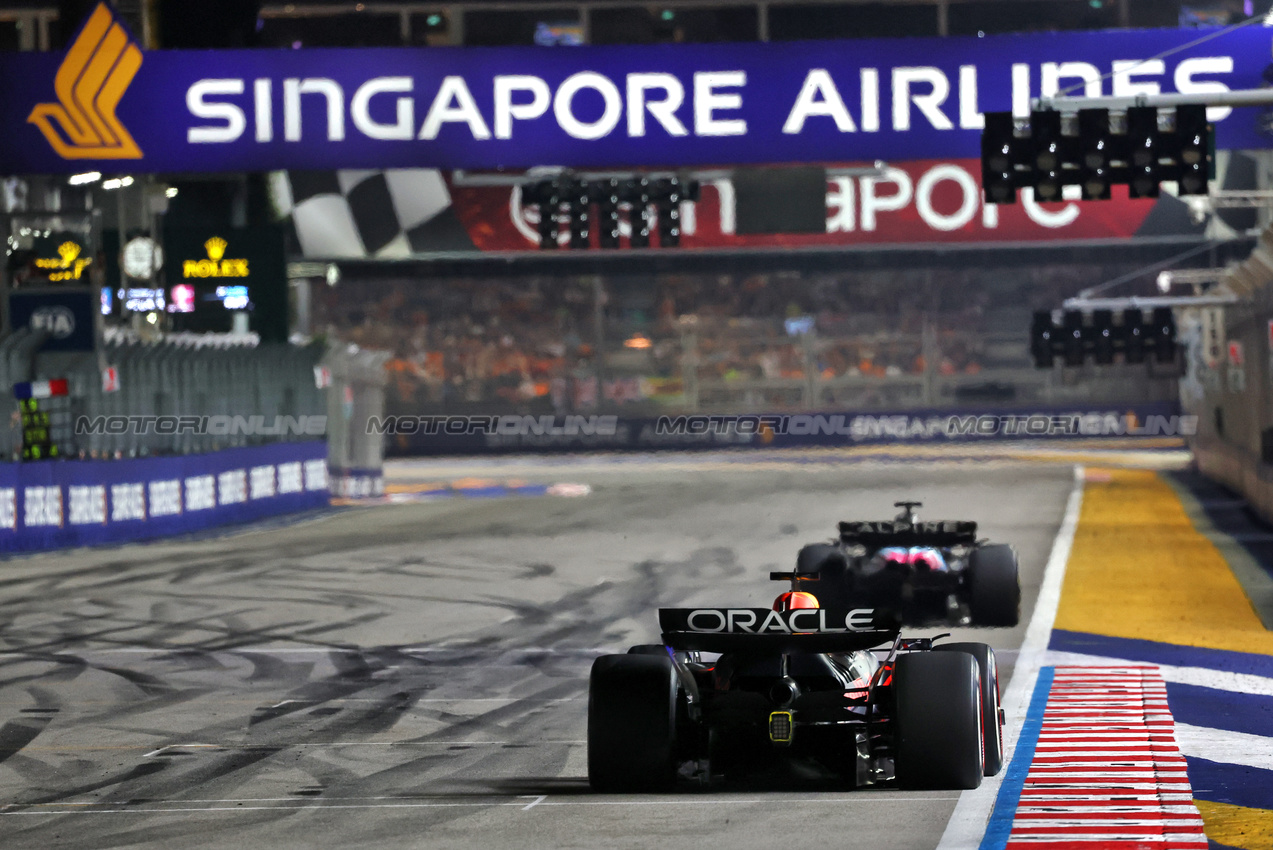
369, 214
397, 213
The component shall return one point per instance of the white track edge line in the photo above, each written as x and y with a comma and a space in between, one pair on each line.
967, 824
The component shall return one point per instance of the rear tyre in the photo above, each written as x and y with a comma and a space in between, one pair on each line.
995, 589
648, 649
937, 727
991, 728
632, 724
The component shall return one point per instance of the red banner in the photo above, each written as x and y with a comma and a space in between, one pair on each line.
912, 202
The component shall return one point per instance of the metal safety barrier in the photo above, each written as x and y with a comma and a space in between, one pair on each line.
184, 394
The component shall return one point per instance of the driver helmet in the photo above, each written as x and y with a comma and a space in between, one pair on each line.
793, 599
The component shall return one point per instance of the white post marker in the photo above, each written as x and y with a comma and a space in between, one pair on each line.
967, 825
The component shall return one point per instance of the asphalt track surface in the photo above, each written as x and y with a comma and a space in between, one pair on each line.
415, 675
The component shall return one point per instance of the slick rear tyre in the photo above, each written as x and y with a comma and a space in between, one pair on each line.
995, 588
648, 649
632, 724
991, 728
937, 727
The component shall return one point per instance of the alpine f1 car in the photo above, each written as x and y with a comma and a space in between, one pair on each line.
923, 572
740, 692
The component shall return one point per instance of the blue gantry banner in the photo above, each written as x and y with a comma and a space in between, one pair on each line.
104, 104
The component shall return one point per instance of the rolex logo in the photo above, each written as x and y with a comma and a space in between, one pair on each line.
216, 265
97, 70
216, 248
68, 251
69, 265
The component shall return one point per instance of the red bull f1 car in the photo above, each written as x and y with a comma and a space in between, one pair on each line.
741, 693
924, 573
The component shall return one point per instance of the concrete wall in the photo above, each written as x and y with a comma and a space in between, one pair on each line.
1233, 399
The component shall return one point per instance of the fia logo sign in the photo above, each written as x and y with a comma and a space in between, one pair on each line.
58, 321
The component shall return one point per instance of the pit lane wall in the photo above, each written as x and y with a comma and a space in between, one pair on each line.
59, 504
1231, 398
1228, 381
450, 435
1239, 470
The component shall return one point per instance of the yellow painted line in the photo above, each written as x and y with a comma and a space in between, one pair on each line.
1139, 569
415, 488
1136, 460
474, 483
1237, 826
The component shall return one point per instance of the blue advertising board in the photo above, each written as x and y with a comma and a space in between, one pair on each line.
106, 105
55, 504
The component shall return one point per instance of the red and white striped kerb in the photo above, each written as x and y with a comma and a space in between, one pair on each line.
1106, 773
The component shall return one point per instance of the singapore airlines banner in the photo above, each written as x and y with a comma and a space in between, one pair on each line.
104, 104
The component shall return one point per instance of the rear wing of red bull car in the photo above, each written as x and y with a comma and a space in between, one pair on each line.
763, 630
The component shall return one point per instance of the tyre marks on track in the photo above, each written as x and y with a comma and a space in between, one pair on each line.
1105, 771
490, 719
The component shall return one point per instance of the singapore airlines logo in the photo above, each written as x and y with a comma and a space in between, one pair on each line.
96, 72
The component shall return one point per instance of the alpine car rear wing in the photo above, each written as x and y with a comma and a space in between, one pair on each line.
764, 630
899, 533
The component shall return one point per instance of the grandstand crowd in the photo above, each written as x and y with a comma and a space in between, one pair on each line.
568, 344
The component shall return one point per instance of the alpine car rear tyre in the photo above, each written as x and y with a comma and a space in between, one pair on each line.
632, 723
995, 588
992, 729
937, 734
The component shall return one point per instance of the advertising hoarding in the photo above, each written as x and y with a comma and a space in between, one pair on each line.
106, 105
